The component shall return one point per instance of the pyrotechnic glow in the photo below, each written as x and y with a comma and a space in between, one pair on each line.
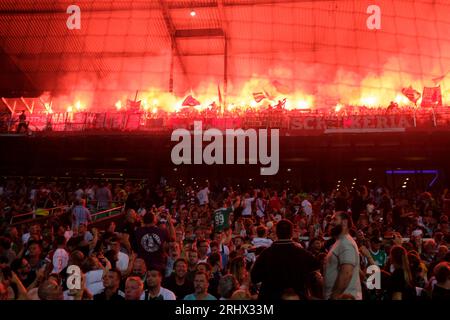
193, 13
178, 106
401, 99
78, 105
242, 98
154, 110
303, 104
69, 109
369, 101
230, 107
145, 105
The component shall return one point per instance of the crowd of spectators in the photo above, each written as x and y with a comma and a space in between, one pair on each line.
203, 242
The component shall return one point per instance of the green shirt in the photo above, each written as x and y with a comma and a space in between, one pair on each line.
379, 257
222, 219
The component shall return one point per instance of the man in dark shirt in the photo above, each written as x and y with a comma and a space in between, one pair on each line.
150, 241
441, 290
178, 282
111, 282
284, 265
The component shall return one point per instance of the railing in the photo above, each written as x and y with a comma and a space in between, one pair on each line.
43, 212
95, 204
107, 213
143, 121
53, 212
328, 238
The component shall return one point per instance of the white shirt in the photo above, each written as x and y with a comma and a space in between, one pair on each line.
262, 242
141, 212
307, 207
33, 193
247, 207
202, 196
60, 260
260, 207
205, 260
122, 262
90, 193
165, 293
68, 234
25, 237
94, 281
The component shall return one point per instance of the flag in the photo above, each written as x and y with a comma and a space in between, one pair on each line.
439, 79
268, 95
280, 87
133, 104
190, 102
431, 97
259, 96
411, 94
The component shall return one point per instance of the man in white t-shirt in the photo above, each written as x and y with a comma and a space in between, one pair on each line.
260, 206
261, 239
202, 196
307, 208
247, 211
60, 258
122, 258
154, 290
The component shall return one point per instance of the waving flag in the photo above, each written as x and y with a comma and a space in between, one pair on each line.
411, 94
281, 87
259, 96
432, 97
190, 102
133, 104
439, 79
